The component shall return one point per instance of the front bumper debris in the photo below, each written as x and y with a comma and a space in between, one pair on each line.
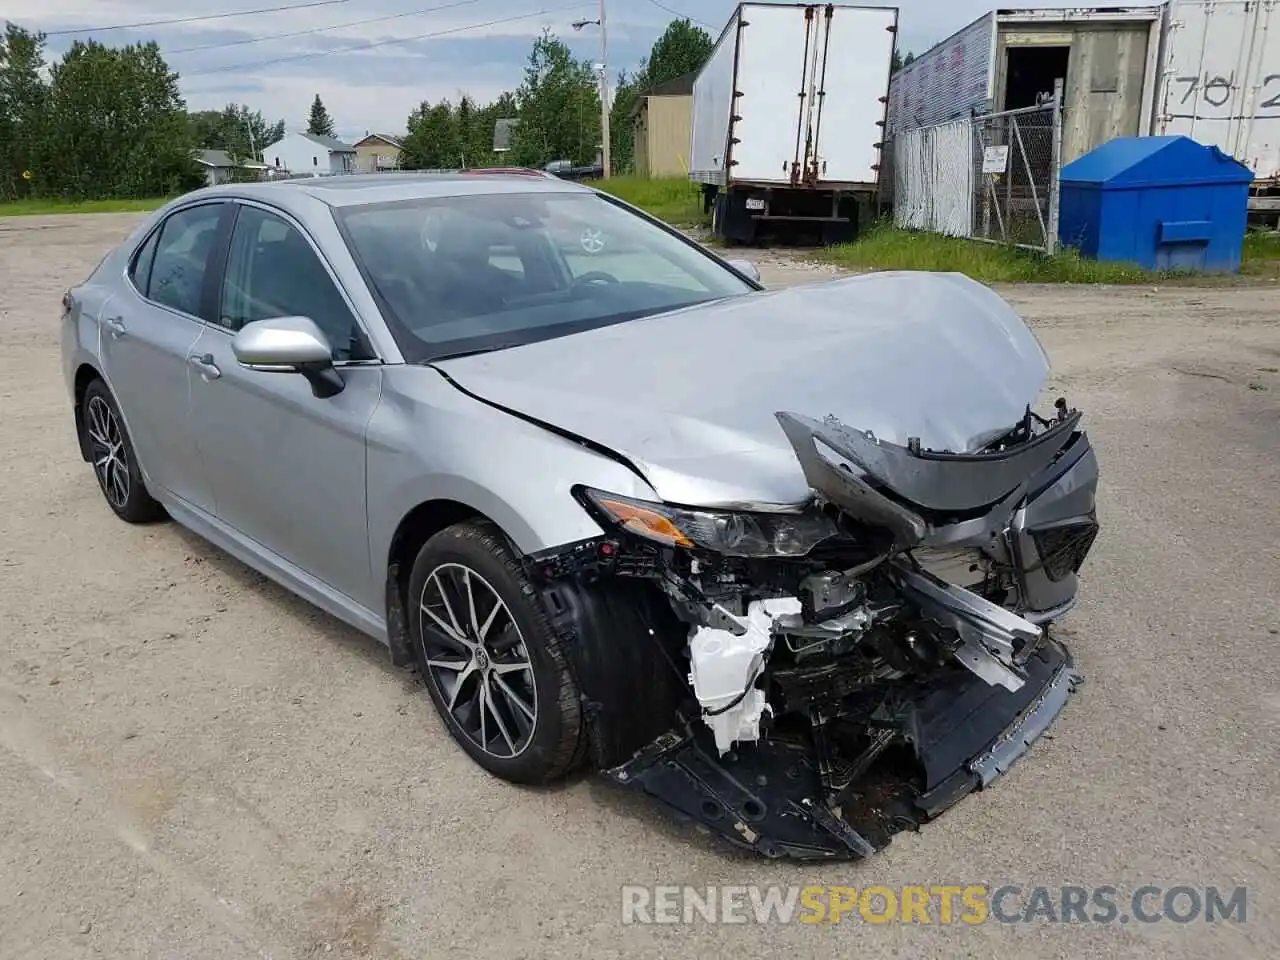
769, 797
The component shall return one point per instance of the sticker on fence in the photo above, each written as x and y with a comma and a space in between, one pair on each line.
995, 159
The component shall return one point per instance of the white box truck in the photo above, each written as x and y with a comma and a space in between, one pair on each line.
789, 115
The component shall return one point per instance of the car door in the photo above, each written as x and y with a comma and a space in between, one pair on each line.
288, 467
148, 330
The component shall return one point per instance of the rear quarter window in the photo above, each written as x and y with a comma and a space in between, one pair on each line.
140, 267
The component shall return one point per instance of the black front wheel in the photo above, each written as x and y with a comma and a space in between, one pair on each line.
492, 663
115, 464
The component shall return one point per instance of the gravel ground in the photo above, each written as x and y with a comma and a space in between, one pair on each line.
195, 764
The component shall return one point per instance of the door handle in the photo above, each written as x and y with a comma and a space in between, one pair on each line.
115, 325
204, 363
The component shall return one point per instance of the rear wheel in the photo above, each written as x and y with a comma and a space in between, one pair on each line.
492, 663
114, 462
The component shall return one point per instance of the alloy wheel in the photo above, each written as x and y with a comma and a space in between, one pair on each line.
477, 660
110, 459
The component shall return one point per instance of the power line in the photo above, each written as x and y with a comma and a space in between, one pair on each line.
682, 16
335, 26
240, 67
207, 16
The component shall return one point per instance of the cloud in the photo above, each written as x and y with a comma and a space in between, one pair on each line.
374, 89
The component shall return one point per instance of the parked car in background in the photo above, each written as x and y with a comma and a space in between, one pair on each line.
567, 170
785, 560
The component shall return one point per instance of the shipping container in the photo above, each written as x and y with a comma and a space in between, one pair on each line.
789, 116
1220, 83
1107, 58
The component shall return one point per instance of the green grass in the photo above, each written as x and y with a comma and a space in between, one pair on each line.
886, 247
676, 200
1262, 253
27, 208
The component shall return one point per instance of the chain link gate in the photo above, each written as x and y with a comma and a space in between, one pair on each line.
992, 178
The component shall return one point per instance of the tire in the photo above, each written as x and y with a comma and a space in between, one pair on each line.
736, 223
115, 464
509, 700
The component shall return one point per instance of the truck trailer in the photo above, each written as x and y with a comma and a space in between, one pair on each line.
789, 116
1220, 84
1209, 69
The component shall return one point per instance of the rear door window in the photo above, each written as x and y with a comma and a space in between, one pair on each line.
181, 257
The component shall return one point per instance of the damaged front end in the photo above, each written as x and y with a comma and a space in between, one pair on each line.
853, 669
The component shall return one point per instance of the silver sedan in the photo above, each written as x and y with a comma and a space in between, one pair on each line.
786, 561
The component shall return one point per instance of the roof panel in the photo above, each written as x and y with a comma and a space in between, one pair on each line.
329, 143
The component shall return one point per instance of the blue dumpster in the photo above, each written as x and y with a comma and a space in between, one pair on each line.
1167, 203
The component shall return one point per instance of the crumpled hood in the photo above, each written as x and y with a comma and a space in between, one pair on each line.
690, 397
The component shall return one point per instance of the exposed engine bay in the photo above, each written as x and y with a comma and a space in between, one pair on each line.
854, 668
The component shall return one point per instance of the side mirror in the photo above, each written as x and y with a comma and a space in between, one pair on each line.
289, 345
745, 267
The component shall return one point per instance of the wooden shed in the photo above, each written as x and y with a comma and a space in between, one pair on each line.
663, 119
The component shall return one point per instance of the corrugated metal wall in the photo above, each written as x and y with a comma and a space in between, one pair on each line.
934, 179
950, 81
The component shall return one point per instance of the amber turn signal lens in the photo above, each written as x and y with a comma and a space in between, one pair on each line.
647, 523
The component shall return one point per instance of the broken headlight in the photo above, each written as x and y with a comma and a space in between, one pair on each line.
729, 532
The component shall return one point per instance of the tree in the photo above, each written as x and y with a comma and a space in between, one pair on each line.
22, 99
901, 60
506, 105
682, 48
319, 123
115, 125
466, 121
559, 107
242, 132
621, 121
432, 142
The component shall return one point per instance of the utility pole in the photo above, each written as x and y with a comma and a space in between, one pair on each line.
602, 23
604, 90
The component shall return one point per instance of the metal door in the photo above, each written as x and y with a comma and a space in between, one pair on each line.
1105, 87
775, 60
287, 466
849, 88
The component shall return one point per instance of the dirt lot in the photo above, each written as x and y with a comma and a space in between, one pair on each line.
194, 764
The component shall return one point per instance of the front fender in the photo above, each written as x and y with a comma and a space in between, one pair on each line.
427, 441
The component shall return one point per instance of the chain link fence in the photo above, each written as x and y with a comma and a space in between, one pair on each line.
991, 177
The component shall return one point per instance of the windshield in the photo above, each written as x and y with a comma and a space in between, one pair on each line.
466, 274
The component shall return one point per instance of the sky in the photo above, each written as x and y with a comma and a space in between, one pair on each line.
371, 74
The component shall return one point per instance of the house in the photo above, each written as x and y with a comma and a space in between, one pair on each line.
310, 154
377, 152
663, 121
219, 167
